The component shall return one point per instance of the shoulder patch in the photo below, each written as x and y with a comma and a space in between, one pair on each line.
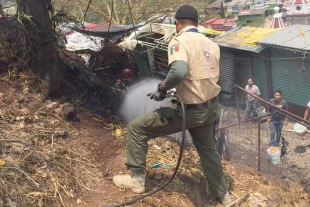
174, 48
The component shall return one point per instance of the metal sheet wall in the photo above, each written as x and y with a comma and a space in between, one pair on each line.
227, 78
235, 68
243, 68
287, 75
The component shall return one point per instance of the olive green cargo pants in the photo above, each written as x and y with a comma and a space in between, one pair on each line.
167, 120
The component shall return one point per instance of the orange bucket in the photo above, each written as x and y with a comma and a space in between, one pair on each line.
273, 149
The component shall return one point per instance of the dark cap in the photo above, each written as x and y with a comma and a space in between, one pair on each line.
186, 12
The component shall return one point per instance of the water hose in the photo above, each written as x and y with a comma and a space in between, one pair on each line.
135, 199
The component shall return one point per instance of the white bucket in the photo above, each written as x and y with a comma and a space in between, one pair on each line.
301, 130
274, 155
261, 111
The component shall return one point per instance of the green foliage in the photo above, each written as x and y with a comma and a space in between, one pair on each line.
228, 14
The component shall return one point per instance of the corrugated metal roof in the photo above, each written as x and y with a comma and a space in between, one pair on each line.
294, 37
257, 49
243, 38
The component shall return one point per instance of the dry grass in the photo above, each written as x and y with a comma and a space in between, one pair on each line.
41, 168
246, 181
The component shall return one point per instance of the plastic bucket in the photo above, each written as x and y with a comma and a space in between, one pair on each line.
301, 130
261, 111
274, 155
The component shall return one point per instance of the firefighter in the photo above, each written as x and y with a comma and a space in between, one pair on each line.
194, 71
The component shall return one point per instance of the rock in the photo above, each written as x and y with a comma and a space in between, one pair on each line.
78, 201
69, 112
300, 149
59, 112
52, 105
1, 95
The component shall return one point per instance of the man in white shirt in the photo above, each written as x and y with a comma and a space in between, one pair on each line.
251, 102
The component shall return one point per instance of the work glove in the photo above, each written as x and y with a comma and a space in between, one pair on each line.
159, 94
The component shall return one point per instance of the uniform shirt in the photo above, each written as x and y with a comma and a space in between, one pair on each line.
202, 56
253, 90
282, 104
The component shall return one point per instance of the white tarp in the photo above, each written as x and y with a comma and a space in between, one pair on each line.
79, 41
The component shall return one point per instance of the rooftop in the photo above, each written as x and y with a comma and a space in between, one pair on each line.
210, 21
251, 12
293, 37
244, 38
217, 4
219, 21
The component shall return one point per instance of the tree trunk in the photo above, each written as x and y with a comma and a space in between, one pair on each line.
44, 52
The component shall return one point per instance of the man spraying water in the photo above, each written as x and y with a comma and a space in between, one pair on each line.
194, 72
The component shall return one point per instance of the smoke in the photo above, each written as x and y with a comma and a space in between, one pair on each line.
136, 103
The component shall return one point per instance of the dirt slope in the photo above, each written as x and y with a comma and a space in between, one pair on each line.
53, 162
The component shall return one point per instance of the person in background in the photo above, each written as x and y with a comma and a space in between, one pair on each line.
194, 71
251, 104
127, 75
276, 119
306, 114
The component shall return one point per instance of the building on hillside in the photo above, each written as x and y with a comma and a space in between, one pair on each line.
252, 17
209, 22
289, 60
220, 24
214, 8
230, 23
235, 6
298, 12
259, 4
232, 6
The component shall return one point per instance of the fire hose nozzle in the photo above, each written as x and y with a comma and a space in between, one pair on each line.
168, 94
